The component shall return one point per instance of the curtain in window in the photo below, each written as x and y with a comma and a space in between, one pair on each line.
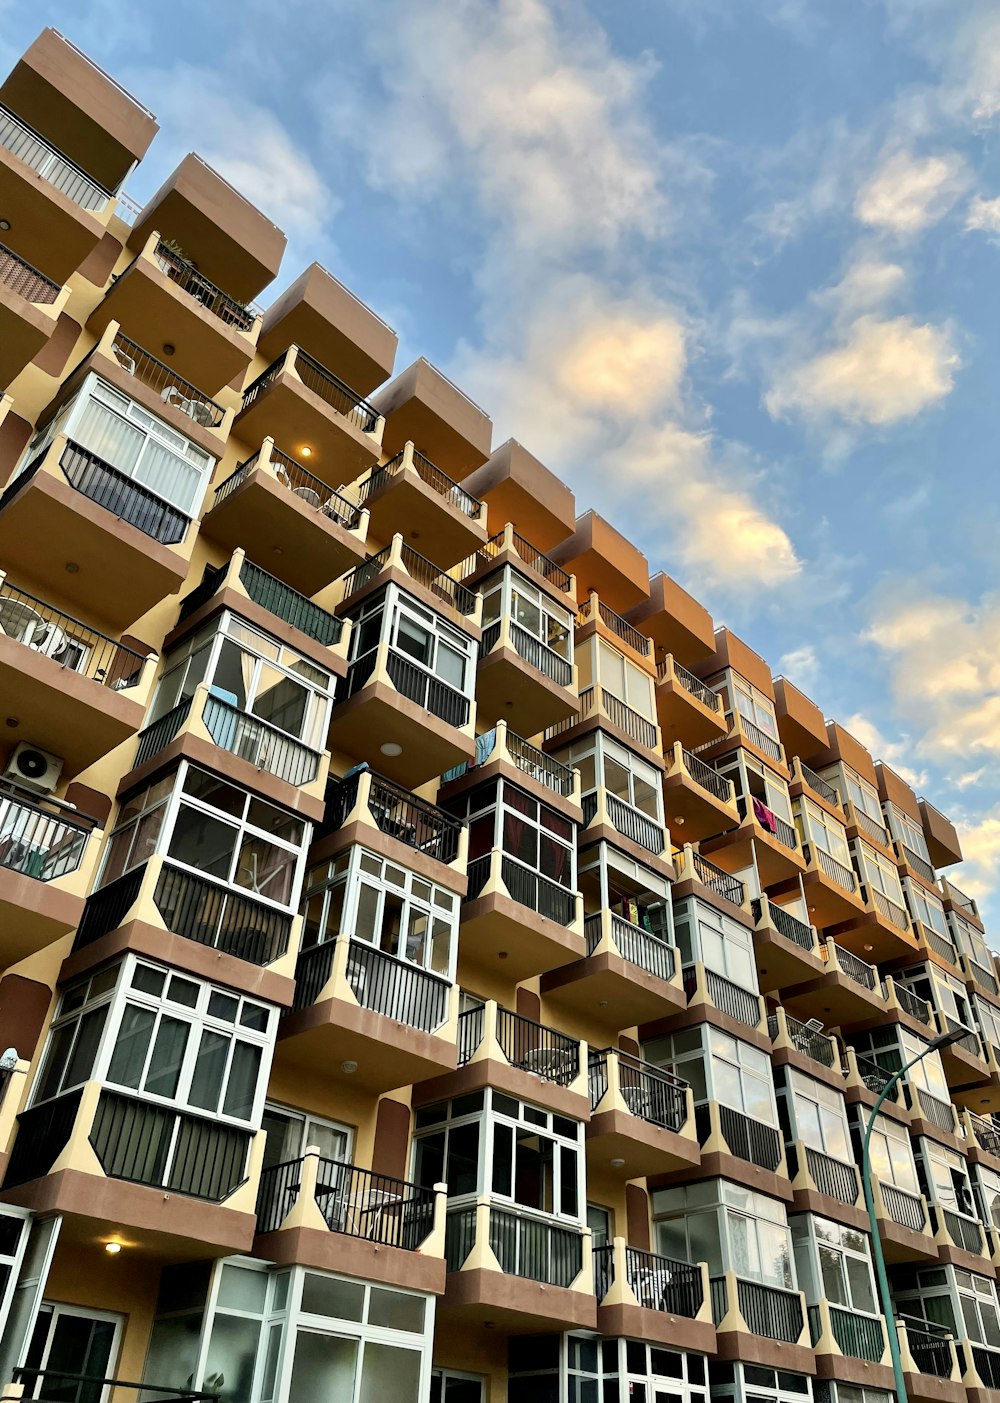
107, 435
170, 477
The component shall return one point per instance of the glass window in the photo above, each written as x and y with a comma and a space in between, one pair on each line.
891, 1155
820, 1117
421, 636
823, 831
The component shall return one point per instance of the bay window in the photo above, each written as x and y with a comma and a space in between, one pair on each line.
600, 663
707, 936
761, 793
946, 1177
819, 1116
907, 831
509, 595
891, 1047
833, 1263
821, 830
749, 701
879, 873
727, 1226
418, 636
924, 906
891, 1155
970, 941
960, 1301
987, 1188
718, 1068
604, 764
988, 1019
540, 838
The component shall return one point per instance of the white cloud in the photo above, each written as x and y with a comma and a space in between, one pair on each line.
882, 371
984, 214
898, 755
801, 666
979, 874
907, 193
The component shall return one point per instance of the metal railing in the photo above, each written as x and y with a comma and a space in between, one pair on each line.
260, 743
397, 989
620, 627
340, 397
159, 733
707, 778
470, 1033
630, 822
529, 554
211, 582
874, 1077
938, 1112
928, 1347
746, 1138
217, 916
50, 164
964, 1232
722, 883
638, 946
694, 685
48, 1385
300, 483
625, 719
917, 861
987, 1133
958, 898
784, 923
768, 1311
431, 693
759, 738
36, 841
836, 1180
415, 822
121, 495
651, 1094
67, 641
940, 944
768, 820
836, 871
809, 1041
893, 913
870, 827
658, 1283
420, 569
355, 1202
290, 606
858, 1336
534, 1047
912, 1004
728, 998
536, 1249
987, 1362
106, 908
535, 653
456, 496
534, 762
313, 968
982, 976
172, 388
187, 277
819, 785
856, 969
25, 280
169, 1149
539, 893
42, 1134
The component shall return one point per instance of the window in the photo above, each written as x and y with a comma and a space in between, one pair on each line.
718, 942
510, 594
907, 831
821, 830
731, 1228
820, 1117
970, 941
604, 763
416, 633
752, 780
751, 1383
942, 991
385, 905
978, 1303
987, 1188
741, 1077
863, 796
825, 1391
214, 829
601, 663
832, 1262
891, 1047
14, 1226
542, 839
879, 873
925, 907
947, 1178
612, 881
753, 705
988, 1017
126, 436
650, 1372
290, 1132
449, 1387
253, 673
891, 1155
172, 1039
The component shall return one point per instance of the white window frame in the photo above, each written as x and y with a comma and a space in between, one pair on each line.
508, 583
603, 748
394, 605
825, 832
825, 1105
879, 873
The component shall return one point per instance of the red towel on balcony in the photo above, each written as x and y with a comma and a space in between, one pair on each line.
765, 817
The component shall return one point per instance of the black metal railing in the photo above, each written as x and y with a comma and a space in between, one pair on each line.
858, 1336
938, 1112
912, 1004
917, 861
747, 1139
630, 822
708, 778
831, 1177
964, 1232
809, 1041
470, 1032
169, 1149
538, 893
940, 944
874, 1077
987, 1362
50, 1385
819, 785
290, 606
728, 998
855, 968
421, 687
211, 582
765, 743
353, 1201
187, 277
313, 968
226, 920
651, 1094
36, 841
50, 164
260, 743
539, 655
627, 720
415, 822
437, 581
987, 1133
42, 1135
870, 827
25, 280
74, 645
768, 1311
106, 908
301, 484
159, 733
722, 883
620, 627
890, 910
785, 923
691, 684
121, 495
534, 762
928, 1347
768, 820
905, 1209
640, 947
534, 1047
322, 382
379, 478
836, 871
658, 1283
532, 1248
172, 388
397, 989
529, 554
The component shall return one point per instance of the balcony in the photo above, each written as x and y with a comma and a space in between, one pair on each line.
411, 497
689, 713
304, 406
704, 875
335, 1216
48, 853
434, 586
641, 1118
848, 991
978, 976
366, 808
961, 1238
594, 616
648, 1297
525, 1272
66, 1151
162, 298
930, 1115
30, 307
357, 1004
51, 1384
762, 837
930, 1364
748, 1315
534, 921
703, 986
75, 691
735, 1140
629, 975
605, 562
791, 1036
69, 506
862, 825
508, 547
787, 949
420, 405
271, 506
607, 817
849, 1334
903, 1225
501, 751
13, 1086
956, 900
814, 1173
882, 929
943, 846
831, 888
521, 675
599, 707
56, 211
698, 802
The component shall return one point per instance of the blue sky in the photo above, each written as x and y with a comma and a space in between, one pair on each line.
728, 266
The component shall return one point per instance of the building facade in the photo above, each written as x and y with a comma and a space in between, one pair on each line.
436, 962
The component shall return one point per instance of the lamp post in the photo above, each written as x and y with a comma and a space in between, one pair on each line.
935, 1045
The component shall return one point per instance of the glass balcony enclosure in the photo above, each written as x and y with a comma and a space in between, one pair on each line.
599, 663
212, 829
879, 874
126, 437
891, 1154
542, 630
752, 1383
924, 906
816, 1115
719, 1068
944, 992
755, 709
908, 832
833, 1263
545, 1368
820, 831
945, 1178
987, 1017
986, 1186
891, 1046
732, 1228
632, 788
971, 942
707, 936
612, 881
960, 1301
760, 793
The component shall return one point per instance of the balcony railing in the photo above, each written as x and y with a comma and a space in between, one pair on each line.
836, 1180
356, 1202
987, 1362
658, 1283
159, 733
747, 1139
938, 1112
525, 756
532, 650
987, 1133
857, 1336
412, 821
36, 841
415, 684
527, 1046
964, 1232
843, 876
958, 898
768, 820
728, 998
874, 1078
917, 861
42, 1134
300, 483
122, 496
765, 743
630, 822
530, 555
639, 947
856, 969
888, 909
471, 1024
456, 496
290, 606
527, 888
785, 923
351, 406
25, 280
690, 683
708, 778
722, 883
620, 627
186, 276
940, 944
809, 1041
651, 1094
50, 1385
397, 989
929, 1347
49, 164
870, 827
437, 581
905, 1209
912, 1004
768, 1311
164, 1148
819, 785
172, 388
529, 1247
260, 743
982, 976
594, 701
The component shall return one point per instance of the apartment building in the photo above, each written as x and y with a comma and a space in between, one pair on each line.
436, 962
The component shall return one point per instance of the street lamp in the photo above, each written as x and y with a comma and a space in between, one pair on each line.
935, 1045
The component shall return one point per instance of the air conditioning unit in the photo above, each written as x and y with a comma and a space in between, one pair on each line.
33, 768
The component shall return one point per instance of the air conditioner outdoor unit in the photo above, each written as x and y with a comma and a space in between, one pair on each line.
33, 768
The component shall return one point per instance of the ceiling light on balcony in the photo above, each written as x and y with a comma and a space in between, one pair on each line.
678, 821
13, 722
501, 954
169, 348
4, 224
72, 568
112, 1248
869, 949
306, 451
617, 1164
349, 1067
602, 1003
391, 748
